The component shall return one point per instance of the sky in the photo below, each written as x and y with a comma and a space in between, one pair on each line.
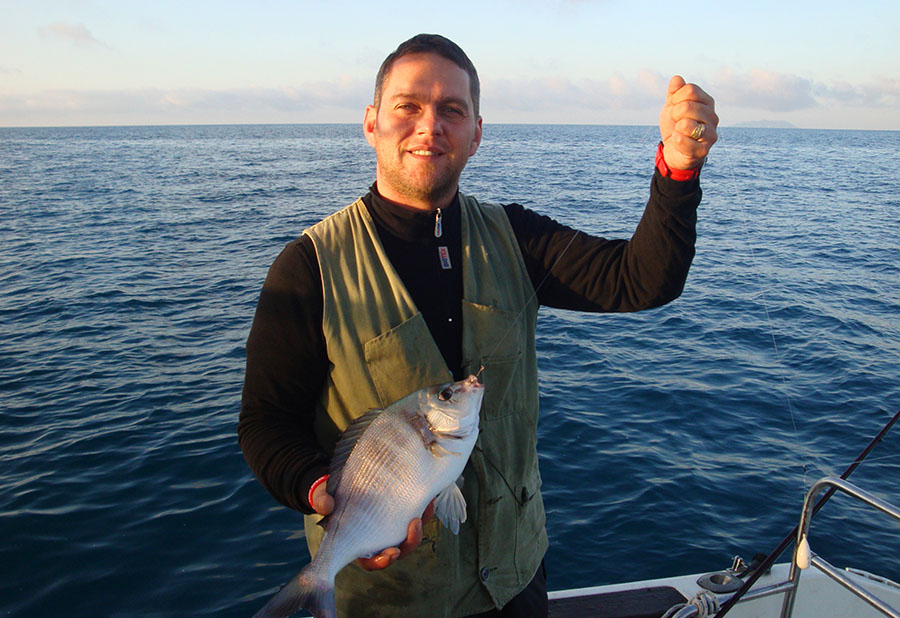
826, 65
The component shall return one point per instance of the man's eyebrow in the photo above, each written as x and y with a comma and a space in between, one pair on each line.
462, 102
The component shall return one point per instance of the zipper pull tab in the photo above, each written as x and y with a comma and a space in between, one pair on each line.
438, 229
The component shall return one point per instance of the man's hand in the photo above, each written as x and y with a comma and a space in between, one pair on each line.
687, 125
323, 503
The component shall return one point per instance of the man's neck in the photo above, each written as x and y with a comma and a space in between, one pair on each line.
408, 223
412, 204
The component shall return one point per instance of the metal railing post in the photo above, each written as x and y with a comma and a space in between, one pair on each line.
803, 530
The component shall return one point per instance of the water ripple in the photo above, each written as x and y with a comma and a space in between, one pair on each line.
670, 440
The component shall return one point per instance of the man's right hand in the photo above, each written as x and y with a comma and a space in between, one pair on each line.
323, 503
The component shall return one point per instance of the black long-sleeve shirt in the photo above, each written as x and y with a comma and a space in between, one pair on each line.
287, 359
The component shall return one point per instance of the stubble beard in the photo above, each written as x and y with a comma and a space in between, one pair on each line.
433, 186
423, 182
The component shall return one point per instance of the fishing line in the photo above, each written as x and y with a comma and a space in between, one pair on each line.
762, 290
512, 324
759, 283
528, 302
791, 536
764, 566
765, 303
819, 461
882, 458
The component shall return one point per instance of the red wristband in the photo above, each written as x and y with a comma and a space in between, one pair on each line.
318, 482
667, 172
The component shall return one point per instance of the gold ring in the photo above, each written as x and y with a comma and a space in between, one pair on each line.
698, 131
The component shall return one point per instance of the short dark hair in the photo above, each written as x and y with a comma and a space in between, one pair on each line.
431, 44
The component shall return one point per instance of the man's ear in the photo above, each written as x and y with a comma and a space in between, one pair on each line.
477, 139
369, 124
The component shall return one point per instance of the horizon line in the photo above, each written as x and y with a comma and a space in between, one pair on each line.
741, 125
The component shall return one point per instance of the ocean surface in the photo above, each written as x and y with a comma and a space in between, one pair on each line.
130, 263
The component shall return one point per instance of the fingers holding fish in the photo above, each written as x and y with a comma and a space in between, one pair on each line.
428, 515
390, 555
382, 561
321, 500
413, 538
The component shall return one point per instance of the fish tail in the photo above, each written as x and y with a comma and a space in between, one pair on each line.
305, 591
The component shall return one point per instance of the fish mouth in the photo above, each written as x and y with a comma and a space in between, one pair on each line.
472, 382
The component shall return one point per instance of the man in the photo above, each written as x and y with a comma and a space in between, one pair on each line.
416, 283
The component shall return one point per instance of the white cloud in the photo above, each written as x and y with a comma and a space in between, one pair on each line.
783, 92
342, 101
763, 90
618, 99
617, 92
77, 34
882, 93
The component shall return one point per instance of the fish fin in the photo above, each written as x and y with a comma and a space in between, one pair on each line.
305, 591
438, 450
429, 434
418, 422
344, 447
450, 507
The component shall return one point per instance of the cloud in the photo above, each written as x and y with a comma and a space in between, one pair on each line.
764, 90
880, 93
636, 98
77, 34
340, 101
645, 89
771, 91
618, 99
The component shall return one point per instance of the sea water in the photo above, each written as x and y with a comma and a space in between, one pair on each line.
670, 440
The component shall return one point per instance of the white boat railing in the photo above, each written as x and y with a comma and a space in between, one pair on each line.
803, 557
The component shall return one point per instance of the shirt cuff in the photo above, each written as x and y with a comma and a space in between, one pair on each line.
667, 172
303, 484
312, 488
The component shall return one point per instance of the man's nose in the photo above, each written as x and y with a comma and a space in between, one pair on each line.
429, 122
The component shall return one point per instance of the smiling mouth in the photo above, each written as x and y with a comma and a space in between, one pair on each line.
425, 153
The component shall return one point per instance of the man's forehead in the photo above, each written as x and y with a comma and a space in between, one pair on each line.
425, 72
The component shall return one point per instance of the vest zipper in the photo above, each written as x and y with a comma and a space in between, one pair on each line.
438, 229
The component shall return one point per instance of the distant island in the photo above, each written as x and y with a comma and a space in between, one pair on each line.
765, 124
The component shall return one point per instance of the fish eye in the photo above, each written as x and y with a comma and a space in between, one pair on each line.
445, 394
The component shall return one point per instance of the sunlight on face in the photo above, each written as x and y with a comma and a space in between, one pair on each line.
423, 131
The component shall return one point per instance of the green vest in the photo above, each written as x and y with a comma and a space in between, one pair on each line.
380, 350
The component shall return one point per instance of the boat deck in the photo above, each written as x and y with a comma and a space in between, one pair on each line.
818, 597
650, 602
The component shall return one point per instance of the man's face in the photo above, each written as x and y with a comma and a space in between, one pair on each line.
423, 131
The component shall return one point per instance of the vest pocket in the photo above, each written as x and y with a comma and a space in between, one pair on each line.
495, 339
404, 359
511, 536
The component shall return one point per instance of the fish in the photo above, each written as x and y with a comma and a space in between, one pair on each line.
387, 467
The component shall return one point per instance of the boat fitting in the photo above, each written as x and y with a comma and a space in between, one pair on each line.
720, 582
